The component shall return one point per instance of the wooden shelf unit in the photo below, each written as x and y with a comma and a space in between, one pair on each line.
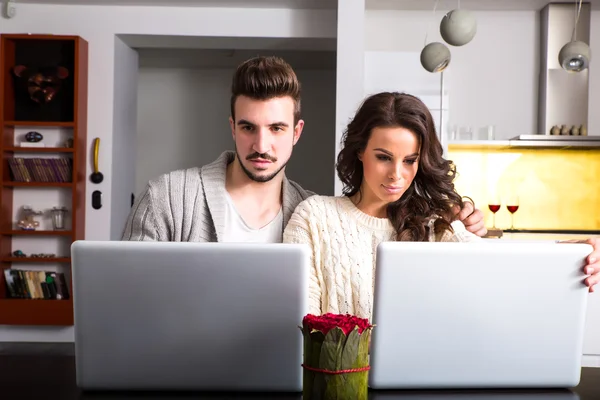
19, 114
36, 233
38, 150
37, 259
36, 312
63, 124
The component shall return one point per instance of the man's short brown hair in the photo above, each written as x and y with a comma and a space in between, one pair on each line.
265, 78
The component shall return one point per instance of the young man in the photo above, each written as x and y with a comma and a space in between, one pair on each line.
244, 195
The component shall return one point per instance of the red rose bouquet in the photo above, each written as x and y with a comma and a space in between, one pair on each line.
336, 357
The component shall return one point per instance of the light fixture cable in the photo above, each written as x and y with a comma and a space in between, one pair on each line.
432, 19
577, 12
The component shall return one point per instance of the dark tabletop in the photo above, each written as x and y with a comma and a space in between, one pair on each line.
47, 371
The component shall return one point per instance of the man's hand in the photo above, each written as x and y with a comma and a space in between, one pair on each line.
592, 267
472, 218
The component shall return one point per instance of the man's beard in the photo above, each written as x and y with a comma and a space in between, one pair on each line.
257, 178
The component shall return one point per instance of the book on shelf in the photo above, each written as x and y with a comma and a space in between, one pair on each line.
41, 169
44, 285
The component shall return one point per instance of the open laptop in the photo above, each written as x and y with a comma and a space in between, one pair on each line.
189, 316
491, 314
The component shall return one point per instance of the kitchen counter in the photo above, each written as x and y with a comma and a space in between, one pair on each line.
548, 236
542, 235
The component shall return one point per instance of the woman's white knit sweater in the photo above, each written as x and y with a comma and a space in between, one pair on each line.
344, 243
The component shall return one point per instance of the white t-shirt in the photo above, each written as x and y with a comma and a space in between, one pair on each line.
236, 229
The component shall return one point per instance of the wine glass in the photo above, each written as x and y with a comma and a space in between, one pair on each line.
512, 205
494, 206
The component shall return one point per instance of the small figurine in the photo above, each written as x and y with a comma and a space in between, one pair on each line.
28, 223
19, 253
33, 137
42, 84
575, 130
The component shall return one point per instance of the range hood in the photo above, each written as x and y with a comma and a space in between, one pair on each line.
563, 96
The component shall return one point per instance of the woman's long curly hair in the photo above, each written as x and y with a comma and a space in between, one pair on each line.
432, 190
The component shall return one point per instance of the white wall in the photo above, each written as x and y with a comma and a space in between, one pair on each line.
99, 25
594, 88
491, 80
350, 68
183, 122
124, 135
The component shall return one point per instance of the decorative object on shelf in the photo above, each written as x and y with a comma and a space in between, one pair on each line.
28, 223
555, 130
19, 253
58, 217
575, 130
583, 130
565, 130
96, 176
42, 83
69, 143
336, 357
43, 255
458, 27
33, 137
575, 56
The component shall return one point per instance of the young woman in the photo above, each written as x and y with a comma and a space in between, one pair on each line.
397, 186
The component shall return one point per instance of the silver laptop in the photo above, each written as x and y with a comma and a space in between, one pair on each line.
189, 316
478, 315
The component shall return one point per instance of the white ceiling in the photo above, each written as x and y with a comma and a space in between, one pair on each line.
476, 5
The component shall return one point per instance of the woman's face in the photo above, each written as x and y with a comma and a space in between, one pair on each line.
390, 163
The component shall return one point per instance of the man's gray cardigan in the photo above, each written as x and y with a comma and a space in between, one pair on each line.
189, 205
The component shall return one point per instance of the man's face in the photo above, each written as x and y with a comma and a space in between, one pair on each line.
264, 135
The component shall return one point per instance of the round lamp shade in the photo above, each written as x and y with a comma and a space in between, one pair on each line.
458, 27
574, 56
435, 57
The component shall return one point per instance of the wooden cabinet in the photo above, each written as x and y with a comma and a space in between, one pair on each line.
43, 89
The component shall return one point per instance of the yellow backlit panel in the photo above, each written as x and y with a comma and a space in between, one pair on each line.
556, 189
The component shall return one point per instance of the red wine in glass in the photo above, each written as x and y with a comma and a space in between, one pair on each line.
512, 209
494, 208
